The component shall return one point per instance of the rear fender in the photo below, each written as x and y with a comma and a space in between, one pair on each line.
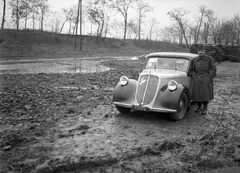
125, 94
170, 99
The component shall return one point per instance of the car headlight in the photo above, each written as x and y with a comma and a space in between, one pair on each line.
124, 80
172, 85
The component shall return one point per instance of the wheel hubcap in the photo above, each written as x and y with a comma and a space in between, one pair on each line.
181, 107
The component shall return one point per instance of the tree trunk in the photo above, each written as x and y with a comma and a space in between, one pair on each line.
42, 20
184, 34
139, 28
75, 46
91, 27
125, 28
98, 30
33, 19
198, 31
26, 17
17, 17
63, 26
106, 30
206, 32
73, 30
69, 31
4, 12
101, 29
3, 18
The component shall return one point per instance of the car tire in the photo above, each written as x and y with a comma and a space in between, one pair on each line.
182, 108
123, 110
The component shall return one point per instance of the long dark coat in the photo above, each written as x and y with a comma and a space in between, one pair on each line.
204, 70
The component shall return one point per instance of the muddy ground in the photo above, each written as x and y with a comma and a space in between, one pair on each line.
67, 123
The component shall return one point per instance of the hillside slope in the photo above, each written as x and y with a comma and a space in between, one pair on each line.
38, 44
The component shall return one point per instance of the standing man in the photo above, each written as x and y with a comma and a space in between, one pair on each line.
204, 70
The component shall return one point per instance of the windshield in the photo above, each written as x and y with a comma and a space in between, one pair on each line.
167, 63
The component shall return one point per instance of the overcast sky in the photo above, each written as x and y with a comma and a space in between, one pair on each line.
222, 8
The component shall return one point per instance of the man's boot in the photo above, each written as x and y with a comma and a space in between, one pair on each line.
204, 111
199, 109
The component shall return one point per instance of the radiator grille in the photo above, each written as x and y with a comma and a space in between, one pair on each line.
151, 89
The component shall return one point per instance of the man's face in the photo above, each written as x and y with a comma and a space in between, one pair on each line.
201, 52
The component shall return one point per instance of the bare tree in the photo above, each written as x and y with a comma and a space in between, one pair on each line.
34, 11
202, 10
55, 21
115, 26
123, 6
192, 33
153, 22
132, 29
15, 12
25, 10
236, 21
106, 27
209, 19
21, 10
142, 9
44, 8
226, 32
98, 14
214, 31
179, 15
169, 34
70, 14
204, 13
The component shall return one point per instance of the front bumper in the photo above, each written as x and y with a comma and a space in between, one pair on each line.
145, 108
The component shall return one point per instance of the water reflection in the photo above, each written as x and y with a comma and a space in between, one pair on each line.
72, 65
86, 66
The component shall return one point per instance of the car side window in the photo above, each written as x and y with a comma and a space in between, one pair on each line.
151, 63
181, 64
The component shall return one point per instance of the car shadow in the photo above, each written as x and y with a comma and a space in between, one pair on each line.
161, 118
147, 116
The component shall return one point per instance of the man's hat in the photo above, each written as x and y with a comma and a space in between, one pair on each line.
201, 47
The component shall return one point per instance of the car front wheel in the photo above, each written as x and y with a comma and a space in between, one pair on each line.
182, 108
123, 110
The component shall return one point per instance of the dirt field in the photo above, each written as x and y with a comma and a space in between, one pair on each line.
67, 123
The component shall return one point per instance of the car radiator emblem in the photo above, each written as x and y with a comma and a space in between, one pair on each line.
143, 81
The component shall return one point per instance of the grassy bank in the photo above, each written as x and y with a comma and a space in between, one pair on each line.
38, 44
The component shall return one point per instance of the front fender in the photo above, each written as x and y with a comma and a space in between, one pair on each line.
170, 99
125, 94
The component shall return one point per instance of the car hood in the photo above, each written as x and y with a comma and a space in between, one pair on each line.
162, 73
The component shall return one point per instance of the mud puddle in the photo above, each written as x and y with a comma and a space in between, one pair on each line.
66, 65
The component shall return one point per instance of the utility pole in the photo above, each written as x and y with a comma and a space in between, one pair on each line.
17, 21
77, 25
80, 25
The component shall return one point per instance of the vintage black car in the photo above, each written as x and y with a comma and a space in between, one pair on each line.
165, 85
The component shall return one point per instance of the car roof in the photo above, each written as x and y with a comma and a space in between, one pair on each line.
189, 56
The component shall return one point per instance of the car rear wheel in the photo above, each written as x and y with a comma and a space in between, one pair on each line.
182, 108
123, 110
